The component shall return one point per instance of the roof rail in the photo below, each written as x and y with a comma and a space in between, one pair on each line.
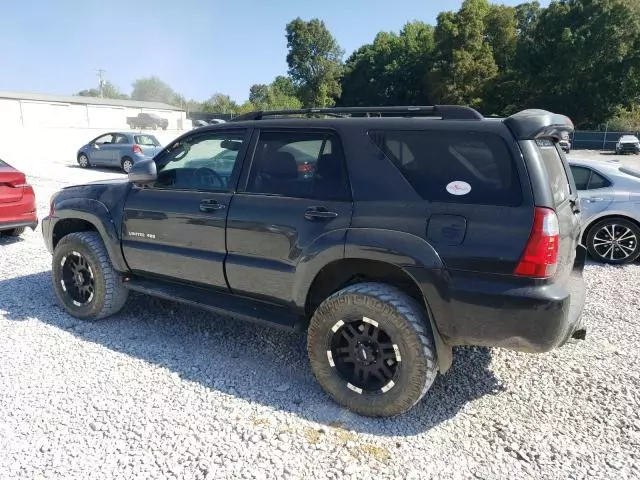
446, 112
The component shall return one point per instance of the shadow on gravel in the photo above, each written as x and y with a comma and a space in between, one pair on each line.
8, 240
252, 363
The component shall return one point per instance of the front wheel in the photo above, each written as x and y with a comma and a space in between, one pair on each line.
614, 241
371, 349
84, 281
83, 160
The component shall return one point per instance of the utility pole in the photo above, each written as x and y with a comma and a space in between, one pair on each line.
100, 80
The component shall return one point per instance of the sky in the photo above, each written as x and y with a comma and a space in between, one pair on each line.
198, 47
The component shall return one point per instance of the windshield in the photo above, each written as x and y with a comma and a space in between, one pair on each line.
147, 140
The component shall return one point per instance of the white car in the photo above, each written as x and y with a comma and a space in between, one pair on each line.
628, 144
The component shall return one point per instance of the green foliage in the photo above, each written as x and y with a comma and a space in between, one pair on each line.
625, 120
315, 62
219, 103
152, 89
391, 70
464, 61
109, 90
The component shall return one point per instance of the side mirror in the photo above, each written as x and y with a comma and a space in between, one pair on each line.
143, 172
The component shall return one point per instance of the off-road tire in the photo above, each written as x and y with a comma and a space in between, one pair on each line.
109, 293
14, 232
403, 319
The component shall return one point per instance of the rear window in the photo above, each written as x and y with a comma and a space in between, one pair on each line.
2, 164
558, 179
149, 140
454, 167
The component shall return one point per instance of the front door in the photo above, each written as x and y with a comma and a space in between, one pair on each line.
176, 228
295, 202
102, 150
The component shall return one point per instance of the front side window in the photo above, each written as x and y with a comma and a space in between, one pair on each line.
104, 139
299, 165
201, 162
453, 166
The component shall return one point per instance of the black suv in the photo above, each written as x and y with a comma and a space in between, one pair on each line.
389, 234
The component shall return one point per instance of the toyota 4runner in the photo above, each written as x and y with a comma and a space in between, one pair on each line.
389, 234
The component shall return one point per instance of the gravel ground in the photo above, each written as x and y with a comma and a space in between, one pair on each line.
166, 391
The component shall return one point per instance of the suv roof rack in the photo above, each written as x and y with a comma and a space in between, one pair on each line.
446, 112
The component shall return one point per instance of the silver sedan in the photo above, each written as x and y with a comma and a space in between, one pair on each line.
609, 195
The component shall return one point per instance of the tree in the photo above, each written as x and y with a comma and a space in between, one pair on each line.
152, 89
315, 62
284, 85
595, 47
219, 103
258, 94
391, 70
464, 61
109, 90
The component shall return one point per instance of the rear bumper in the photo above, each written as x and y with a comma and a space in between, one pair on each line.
494, 313
27, 219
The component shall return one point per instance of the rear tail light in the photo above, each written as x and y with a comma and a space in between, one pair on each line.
305, 168
540, 257
18, 181
137, 149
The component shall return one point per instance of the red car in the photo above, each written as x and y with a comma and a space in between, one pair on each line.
17, 202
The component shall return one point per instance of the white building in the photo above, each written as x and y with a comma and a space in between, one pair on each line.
57, 111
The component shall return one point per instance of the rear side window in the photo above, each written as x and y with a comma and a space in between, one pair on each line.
454, 166
558, 179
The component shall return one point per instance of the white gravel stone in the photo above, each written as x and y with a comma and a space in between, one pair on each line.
165, 391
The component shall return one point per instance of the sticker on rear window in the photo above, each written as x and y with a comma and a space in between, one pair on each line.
458, 188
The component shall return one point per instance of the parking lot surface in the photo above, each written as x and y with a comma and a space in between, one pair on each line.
166, 391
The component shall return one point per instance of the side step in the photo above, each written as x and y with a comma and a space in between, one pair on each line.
218, 302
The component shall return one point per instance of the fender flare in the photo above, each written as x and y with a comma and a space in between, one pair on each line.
97, 214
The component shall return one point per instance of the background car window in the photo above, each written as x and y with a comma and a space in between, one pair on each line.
581, 177
300, 165
201, 162
432, 160
120, 139
555, 170
149, 140
104, 139
598, 181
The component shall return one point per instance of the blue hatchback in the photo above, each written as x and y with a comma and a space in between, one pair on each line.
118, 149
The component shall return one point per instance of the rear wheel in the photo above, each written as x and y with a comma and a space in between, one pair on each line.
83, 160
127, 164
614, 240
371, 349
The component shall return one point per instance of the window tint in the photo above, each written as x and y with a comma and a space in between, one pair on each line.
432, 160
299, 164
581, 177
200, 162
598, 181
555, 170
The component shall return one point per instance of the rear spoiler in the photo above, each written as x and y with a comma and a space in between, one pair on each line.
532, 124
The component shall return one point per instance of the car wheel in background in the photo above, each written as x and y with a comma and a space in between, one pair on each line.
371, 349
14, 232
83, 161
614, 241
127, 164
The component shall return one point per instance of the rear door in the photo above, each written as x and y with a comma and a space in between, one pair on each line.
565, 200
287, 211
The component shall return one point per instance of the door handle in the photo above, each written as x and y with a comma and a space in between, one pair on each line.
319, 213
210, 206
594, 199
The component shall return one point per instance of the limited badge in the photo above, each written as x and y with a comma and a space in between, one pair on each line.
458, 188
